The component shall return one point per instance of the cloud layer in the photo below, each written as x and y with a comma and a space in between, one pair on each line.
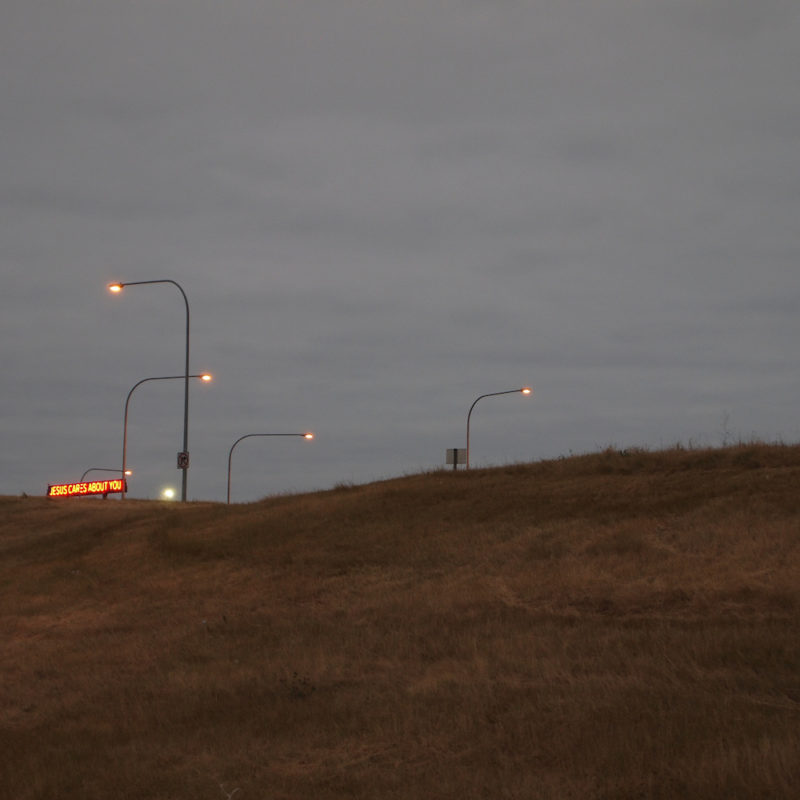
380, 212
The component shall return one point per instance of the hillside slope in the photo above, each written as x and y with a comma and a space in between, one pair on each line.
616, 625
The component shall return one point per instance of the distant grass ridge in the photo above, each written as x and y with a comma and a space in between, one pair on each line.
620, 624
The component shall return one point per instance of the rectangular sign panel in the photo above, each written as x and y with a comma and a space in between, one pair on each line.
86, 487
457, 455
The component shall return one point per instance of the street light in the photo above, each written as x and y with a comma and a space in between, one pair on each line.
247, 436
116, 288
203, 377
126, 472
523, 390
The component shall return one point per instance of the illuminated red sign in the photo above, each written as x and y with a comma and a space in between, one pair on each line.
86, 488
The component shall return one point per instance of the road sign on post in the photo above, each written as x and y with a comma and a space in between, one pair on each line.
183, 460
456, 456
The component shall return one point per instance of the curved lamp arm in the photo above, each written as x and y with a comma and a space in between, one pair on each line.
203, 377
118, 287
249, 435
523, 390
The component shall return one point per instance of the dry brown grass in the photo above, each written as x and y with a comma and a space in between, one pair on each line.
616, 625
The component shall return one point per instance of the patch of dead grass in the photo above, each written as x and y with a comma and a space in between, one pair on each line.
618, 625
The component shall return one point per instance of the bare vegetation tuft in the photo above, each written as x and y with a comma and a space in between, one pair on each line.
622, 624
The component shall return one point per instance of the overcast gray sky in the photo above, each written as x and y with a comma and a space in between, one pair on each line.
381, 209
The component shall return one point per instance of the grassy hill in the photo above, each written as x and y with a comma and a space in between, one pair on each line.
616, 625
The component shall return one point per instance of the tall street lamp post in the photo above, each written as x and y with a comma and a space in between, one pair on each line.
523, 390
183, 457
247, 436
203, 377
